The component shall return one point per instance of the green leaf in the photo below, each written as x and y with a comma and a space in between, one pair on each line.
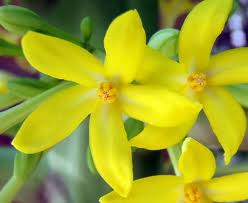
8, 100
27, 87
133, 127
20, 20
8, 49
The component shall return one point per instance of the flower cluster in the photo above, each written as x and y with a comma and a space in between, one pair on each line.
140, 82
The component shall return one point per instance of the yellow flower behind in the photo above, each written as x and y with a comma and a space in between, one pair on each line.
195, 185
103, 90
200, 77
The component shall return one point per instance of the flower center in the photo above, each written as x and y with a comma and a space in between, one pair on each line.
107, 92
192, 194
197, 81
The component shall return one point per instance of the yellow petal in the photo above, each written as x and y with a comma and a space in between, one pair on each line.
110, 149
155, 138
159, 189
226, 118
158, 69
61, 59
229, 67
197, 162
55, 119
200, 30
124, 44
231, 188
157, 106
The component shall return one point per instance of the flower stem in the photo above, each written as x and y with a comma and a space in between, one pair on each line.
174, 154
11, 189
225, 170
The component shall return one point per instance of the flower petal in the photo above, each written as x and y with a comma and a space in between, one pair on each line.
229, 67
159, 189
157, 106
61, 59
231, 188
197, 162
155, 138
55, 119
124, 43
110, 149
158, 69
226, 118
200, 30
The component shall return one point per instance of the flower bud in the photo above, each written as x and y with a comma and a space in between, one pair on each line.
165, 41
86, 28
19, 20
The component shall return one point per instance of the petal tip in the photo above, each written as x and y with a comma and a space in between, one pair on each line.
23, 148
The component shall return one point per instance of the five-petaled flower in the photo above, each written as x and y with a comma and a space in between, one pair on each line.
200, 77
103, 90
195, 185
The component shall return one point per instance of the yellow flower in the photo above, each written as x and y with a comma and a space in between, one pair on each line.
195, 185
201, 78
104, 91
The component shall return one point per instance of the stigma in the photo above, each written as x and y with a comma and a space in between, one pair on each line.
197, 82
107, 92
192, 194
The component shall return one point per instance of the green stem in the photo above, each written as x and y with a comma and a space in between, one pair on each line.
225, 170
49, 29
11, 189
174, 154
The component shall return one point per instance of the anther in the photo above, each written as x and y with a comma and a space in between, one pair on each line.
107, 92
197, 81
192, 194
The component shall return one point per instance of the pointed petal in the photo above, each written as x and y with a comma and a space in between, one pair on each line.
61, 59
197, 162
157, 106
110, 149
231, 188
155, 138
158, 69
229, 67
55, 119
159, 189
124, 43
200, 30
226, 118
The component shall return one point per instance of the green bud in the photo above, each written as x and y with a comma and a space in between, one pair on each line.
165, 41
25, 164
86, 28
19, 20
133, 127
